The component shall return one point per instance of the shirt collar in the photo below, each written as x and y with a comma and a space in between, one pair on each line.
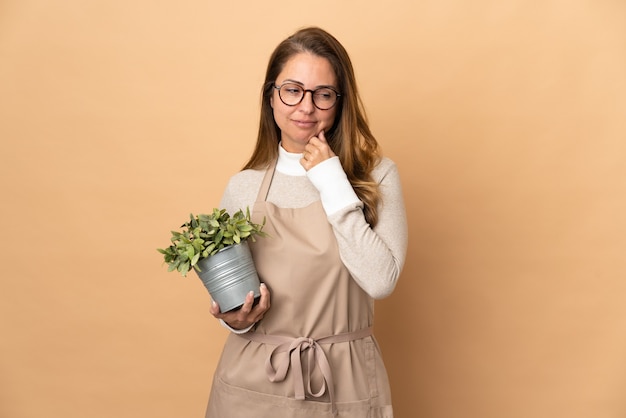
289, 163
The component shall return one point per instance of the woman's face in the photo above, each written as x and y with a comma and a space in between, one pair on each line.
301, 122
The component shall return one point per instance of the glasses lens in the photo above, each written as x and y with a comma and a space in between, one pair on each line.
324, 98
291, 94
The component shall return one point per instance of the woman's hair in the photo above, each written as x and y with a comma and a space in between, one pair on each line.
349, 137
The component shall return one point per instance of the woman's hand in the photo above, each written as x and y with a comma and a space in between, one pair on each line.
316, 151
247, 315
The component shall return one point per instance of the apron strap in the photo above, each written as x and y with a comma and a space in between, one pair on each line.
267, 181
287, 354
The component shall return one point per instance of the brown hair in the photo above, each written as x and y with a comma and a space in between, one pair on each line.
349, 137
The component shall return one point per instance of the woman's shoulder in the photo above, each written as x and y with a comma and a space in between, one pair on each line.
245, 181
242, 189
246, 177
385, 163
384, 167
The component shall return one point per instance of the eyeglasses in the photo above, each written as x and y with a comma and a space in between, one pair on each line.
292, 94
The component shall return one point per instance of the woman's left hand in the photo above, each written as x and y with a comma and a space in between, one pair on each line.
248, 314
316, 151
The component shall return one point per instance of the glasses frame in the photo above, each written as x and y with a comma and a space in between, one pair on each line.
305, 91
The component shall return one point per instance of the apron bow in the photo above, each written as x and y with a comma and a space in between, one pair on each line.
288, 354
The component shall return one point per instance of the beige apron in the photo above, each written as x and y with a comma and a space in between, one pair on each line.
313, 354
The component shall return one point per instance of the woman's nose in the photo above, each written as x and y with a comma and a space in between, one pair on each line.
307, 102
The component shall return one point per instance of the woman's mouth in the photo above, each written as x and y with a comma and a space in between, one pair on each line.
304, 123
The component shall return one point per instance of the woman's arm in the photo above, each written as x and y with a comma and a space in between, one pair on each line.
374, 257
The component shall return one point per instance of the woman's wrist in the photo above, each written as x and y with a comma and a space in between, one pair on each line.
233, 330
335, 189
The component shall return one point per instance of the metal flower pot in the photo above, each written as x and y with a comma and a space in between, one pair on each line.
229, 275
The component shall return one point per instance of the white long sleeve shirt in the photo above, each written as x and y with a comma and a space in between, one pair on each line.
373, 256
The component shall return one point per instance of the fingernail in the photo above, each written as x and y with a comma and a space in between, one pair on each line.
213, 303
263, 285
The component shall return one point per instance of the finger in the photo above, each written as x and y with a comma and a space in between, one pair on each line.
258, 312
322, 137
307, 165
306, 155
215, 308
318, 150
264, 301
246, 308
265, 292
314, 143
313, 148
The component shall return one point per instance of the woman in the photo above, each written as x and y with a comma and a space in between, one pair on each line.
337, 240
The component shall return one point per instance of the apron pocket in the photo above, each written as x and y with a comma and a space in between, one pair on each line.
231, 401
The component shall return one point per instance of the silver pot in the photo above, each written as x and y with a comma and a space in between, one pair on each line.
229, 275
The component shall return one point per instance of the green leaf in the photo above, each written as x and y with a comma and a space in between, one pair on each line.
205, 234
184, 268
198, 244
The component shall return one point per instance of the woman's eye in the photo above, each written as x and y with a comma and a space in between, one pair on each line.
325, 94
291, 90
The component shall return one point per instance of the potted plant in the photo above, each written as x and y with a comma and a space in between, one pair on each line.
216, 247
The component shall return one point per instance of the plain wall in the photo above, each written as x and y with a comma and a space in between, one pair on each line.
507, 122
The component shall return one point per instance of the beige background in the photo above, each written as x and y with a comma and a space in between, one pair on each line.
506, 119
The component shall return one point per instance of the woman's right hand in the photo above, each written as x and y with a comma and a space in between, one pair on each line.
248, 314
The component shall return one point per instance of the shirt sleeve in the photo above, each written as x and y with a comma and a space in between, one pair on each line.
236, 331
375, 256
335, 189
